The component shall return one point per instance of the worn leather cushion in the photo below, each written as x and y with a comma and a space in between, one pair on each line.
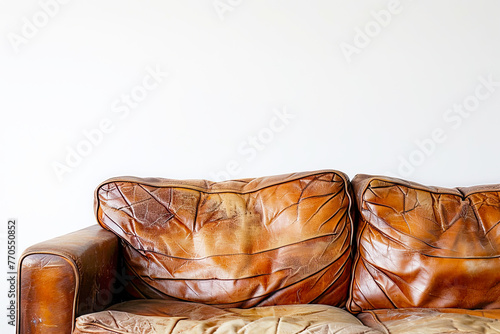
426, 246
171, 317
242, 243
432, 321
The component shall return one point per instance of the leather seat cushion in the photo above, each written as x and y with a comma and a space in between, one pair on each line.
421, 246
172, 317
275, 240
433, 321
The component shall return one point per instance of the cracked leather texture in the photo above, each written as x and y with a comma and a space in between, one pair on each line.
425, 247
433, 321
174, 317
242, 243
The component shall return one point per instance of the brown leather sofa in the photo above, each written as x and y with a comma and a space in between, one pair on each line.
308, 252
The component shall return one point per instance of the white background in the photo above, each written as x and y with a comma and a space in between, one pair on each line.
232, 66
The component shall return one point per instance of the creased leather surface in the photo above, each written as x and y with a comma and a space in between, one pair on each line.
173, 317
432, 321
242, 243
62, 278
426, 246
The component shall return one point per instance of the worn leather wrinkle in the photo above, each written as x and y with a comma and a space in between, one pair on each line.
425, 246
275, 240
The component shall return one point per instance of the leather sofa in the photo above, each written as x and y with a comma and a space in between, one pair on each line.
309, 252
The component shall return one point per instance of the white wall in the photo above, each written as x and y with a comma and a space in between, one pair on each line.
355, 102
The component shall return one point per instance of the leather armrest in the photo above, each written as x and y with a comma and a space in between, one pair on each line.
65, 277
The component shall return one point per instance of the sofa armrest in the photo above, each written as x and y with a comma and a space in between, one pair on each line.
65, 277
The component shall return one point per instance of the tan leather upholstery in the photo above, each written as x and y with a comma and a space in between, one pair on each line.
173, 317
425, 246
265, 255
433, 321
65, 277
244, 243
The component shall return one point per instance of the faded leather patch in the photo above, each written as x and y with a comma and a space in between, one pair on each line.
433, 321
170, 317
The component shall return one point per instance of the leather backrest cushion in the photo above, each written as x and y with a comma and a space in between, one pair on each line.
424, 246
266, 241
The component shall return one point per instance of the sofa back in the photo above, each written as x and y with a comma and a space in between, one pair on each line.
254, 242
424, 246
